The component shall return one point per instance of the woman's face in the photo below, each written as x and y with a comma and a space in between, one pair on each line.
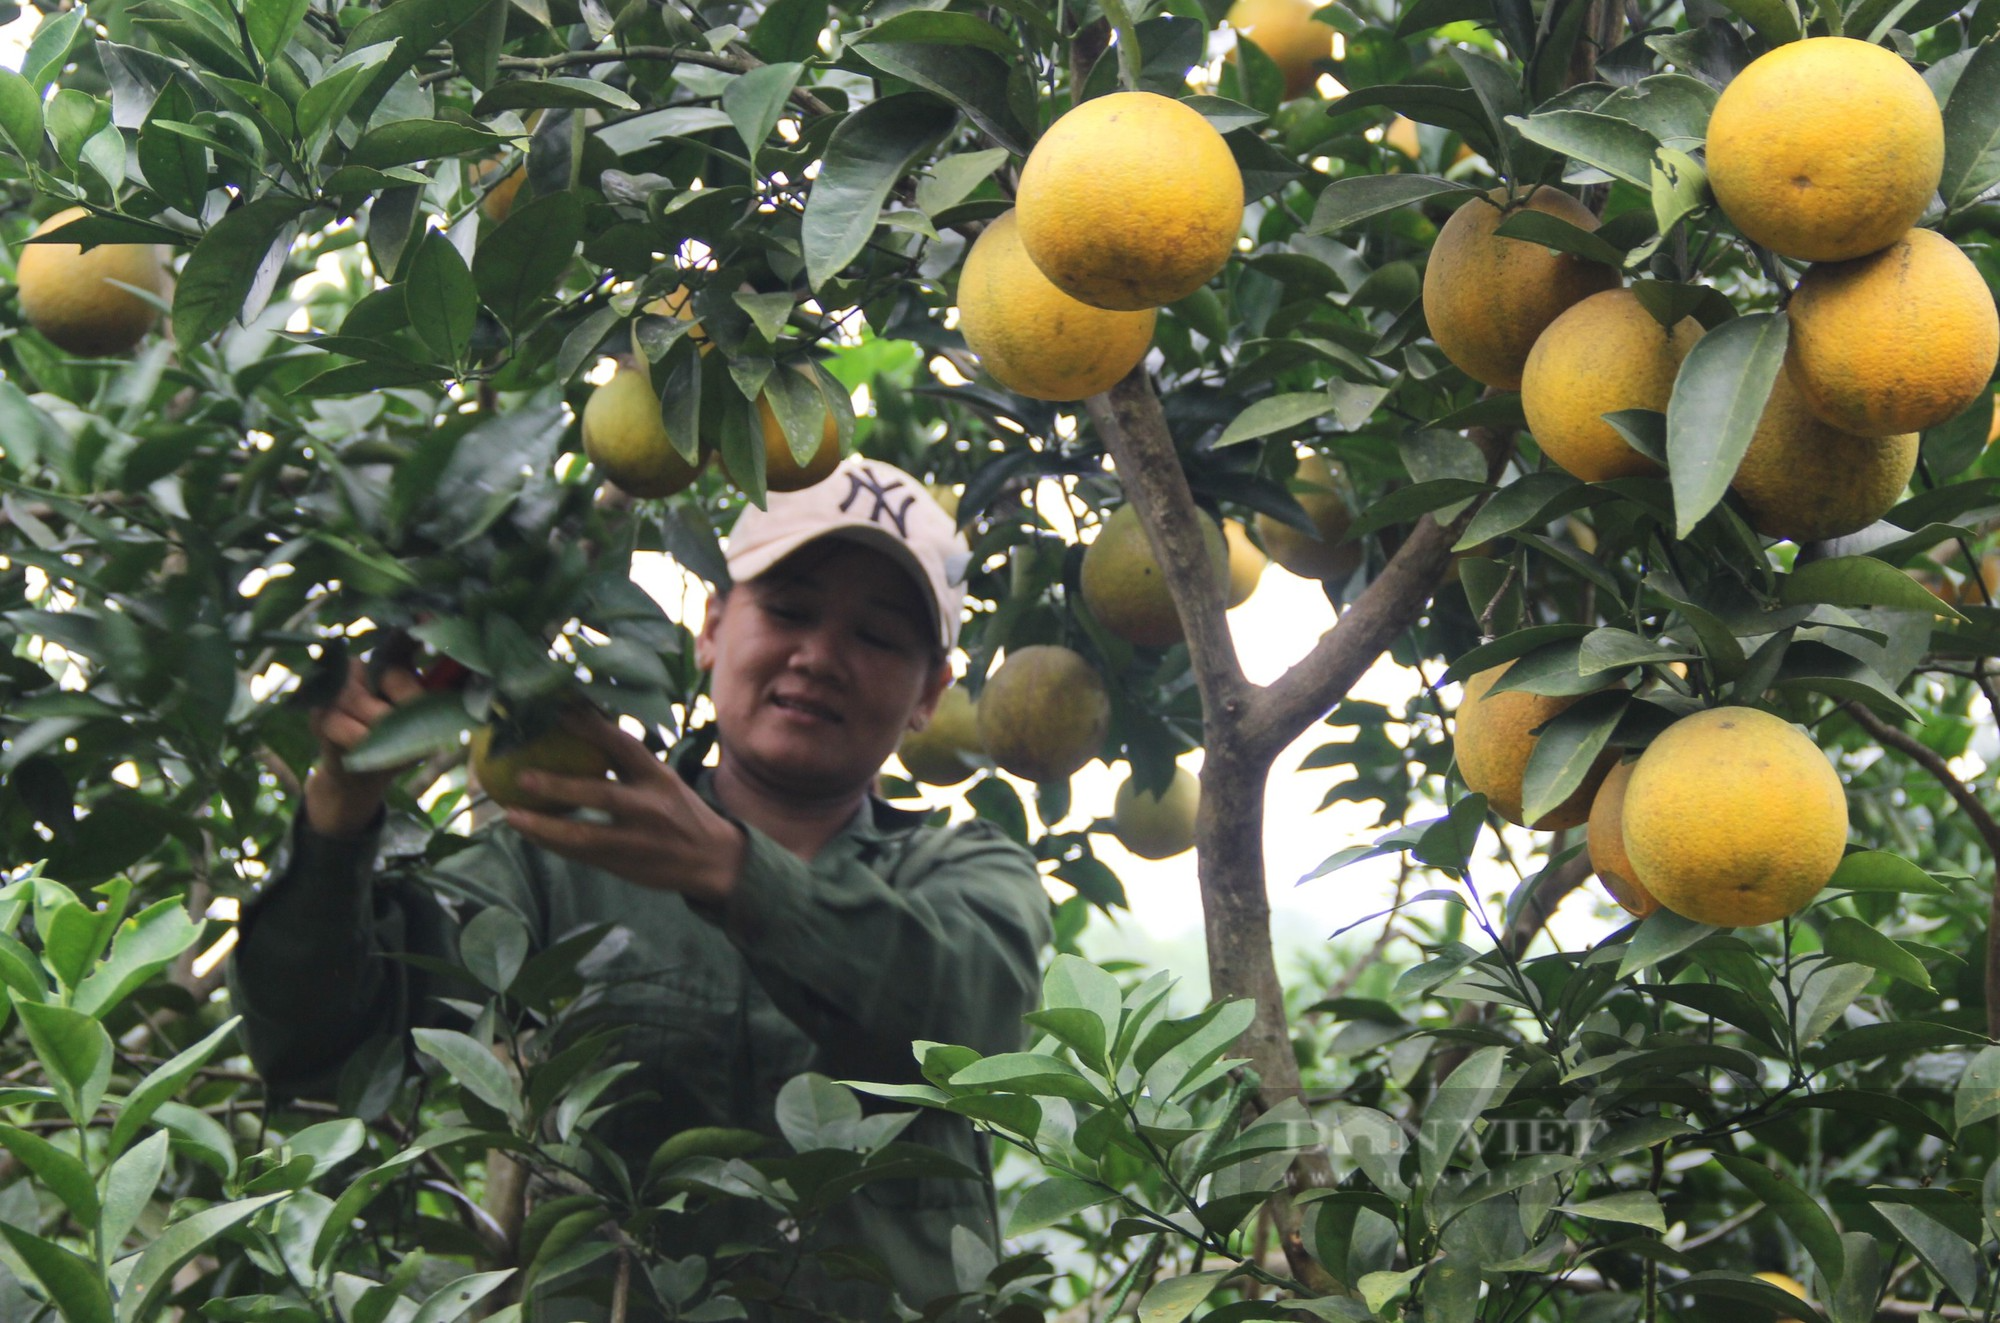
818, 666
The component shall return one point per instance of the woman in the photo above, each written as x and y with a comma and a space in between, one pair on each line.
781, 919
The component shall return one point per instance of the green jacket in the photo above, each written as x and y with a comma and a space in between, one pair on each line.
896, 931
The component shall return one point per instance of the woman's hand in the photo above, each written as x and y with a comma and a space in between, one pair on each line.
340, 803
661, 834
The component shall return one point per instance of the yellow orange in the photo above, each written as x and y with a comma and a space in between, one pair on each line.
1130, 201
1494, 738
1286, 31
1605, 838
1897, 341
1487, 299
1825, 149
1806, 480
68, 294
1604, 354
1033, 338
1734, 818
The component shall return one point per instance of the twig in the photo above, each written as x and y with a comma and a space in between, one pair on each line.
1975, 812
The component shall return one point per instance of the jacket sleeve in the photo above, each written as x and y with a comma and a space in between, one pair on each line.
315, 974
946, 949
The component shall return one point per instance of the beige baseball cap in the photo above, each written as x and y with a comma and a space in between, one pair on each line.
872, 503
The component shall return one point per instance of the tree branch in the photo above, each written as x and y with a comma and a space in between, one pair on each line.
1134, 429
1976, 812
1388, 606
1554, 888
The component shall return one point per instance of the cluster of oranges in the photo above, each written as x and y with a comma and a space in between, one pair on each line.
1825, 151
1129, 202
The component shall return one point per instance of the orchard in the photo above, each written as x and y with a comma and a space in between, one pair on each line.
1625, 373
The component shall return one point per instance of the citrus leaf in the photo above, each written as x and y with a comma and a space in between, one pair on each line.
232, 271
1618, 147
868, 153
1718, 397
1639, 1207
1051, 1201
1972, 129
71, 1280
1279, 413
1878, 870
1346, 202
1174, 1299
1860, 581
1850, 939
1567, 749
1798, 1209
175, 1246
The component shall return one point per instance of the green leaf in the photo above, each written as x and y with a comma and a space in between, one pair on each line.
1561, 235
428, 726
973, 79
1028, 1072
49, 50
814, 1113
1460, 1100
272, 22
453, 1302
231, 273
1972, 129
72, 1281
62, 1172
1662, 934
1175, 1298
442, 299
1877, 870
1851, 939
1278, 413
870, 150
1051, 1201
756, 100
164, 1082
554, 94
1347, 202
953, 178
1718, 397
21, 115
323, 105
141, 1297
75, 1051
473, 1066
1741, 1286
1904, 1116
130, 1187
1944, 1251
524, 258
1567, 749
1618, 147
1859, 581
402, 141
494, 946
1797, 1208
1776, 21
1638, 1207
146, 944
1073, 983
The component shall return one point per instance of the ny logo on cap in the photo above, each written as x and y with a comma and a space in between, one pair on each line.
862, 479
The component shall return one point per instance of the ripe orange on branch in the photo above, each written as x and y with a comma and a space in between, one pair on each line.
1825, 149
1897, 341
1487, 299
69, 295
1733, 817
1605, 354
1130, 201
1807, 480
1496, 735
1033, 338
1286, 31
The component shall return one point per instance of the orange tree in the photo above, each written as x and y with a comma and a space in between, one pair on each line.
401, 234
